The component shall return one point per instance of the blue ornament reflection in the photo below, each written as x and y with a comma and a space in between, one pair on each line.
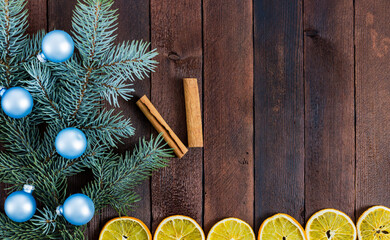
78, 209
20, 206
71, 143
57, 46
16, 102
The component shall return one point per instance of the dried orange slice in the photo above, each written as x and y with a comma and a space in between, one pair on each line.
231, 229
330, 224
125, 228
374, 224
281, 227
179, 227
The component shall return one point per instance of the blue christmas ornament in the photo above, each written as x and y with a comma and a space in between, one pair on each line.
71, 143
20, 206
57, 46
78, 209
16, 102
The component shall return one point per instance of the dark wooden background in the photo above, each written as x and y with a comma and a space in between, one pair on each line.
295, 96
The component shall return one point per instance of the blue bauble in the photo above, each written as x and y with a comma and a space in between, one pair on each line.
57, 46
78, 209
16, 102
71, 143
20, 206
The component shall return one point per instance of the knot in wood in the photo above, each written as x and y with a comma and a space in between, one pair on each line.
311, 33
173, 56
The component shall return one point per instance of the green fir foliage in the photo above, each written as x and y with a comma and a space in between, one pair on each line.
72, 94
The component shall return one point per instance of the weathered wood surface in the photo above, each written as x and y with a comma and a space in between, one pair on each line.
329, 106
295, 103
279, 109
176, 32
228, 110
372, 38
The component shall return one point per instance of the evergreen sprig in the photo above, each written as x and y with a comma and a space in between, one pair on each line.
72, 94
13, 40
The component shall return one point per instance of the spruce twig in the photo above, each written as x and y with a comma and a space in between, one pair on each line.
69, 94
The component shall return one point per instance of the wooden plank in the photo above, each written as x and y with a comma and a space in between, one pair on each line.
228, 110
279, 109
372, 33
329, 104
134, 24
177, 35
60, 14
37, 10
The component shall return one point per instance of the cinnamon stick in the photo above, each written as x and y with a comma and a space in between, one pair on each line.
161, 126
194, 117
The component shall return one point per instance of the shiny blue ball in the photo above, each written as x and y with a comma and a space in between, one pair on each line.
57, 46
71, 143
20, 206
17, 102
78, 209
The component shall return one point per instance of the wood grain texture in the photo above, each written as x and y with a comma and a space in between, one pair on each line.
37, 10
228, 110
300, 123
372, 34
279, 109
329, 104
193, 112
60, 14
134, 24
176, 32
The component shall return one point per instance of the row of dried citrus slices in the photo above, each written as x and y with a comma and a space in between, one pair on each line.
327, 224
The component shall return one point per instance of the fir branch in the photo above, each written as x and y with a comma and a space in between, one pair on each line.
11, 167
115, 180
19, 135
109, 128
127, 61
38, 228
13, 16
81, 101
74, 95
33, 47
93, 27
67, 168
10, 230
70, 94
13, 19
46, 150
47, 222
42, 88
110, 88
72, 233
82, 93
50, 188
